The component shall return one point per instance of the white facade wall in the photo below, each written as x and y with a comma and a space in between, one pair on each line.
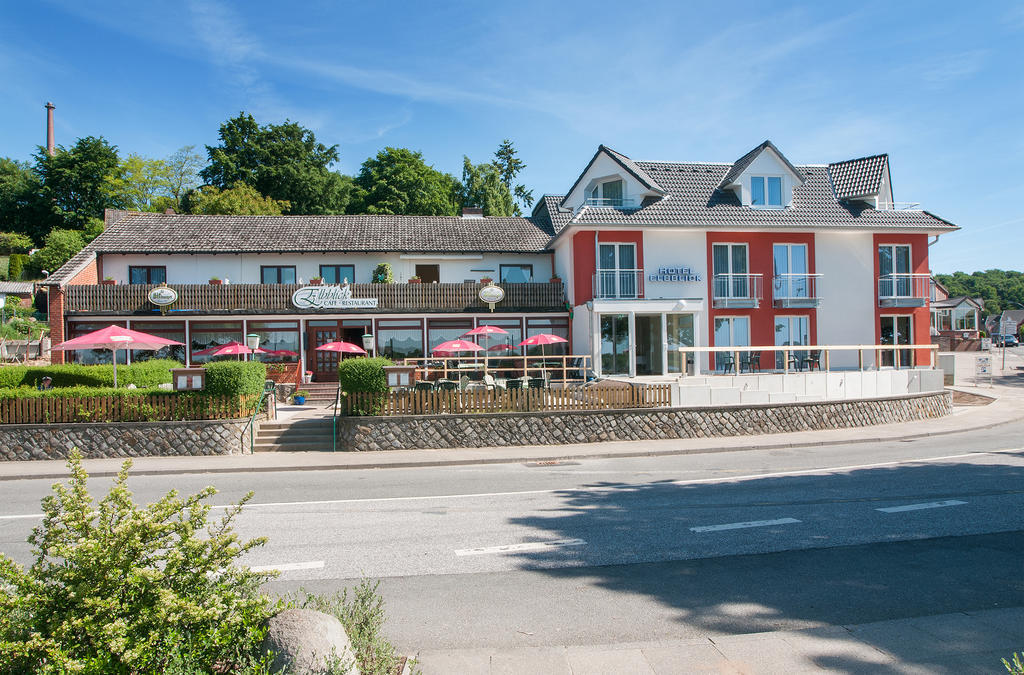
245, 268
846, 262
766, 164
675, 250
605, 168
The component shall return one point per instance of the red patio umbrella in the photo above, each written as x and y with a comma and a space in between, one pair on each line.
486, 332
114, 338
341, 346
232, 348
281, 352
453, 346
542, 339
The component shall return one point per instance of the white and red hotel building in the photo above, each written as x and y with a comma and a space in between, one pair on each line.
634, 261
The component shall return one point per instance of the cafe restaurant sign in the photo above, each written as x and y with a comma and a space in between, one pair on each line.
674, 274
161, 296
330, 297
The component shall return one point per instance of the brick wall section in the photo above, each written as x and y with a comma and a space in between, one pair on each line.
126, 439
88, 276
509, 429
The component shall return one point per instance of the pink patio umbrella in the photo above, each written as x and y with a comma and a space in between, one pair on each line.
232, 348
542, 339
455, 346
341, 346
281, 352
486, 332
114, 338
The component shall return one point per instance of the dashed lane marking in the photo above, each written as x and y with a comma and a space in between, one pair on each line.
918, 507
740, 526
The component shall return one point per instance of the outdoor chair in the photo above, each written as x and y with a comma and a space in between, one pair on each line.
489, 383
725, 362
447, 385
750, 361
513, 383
424, 385
796, 360
463, 382
813, 359
538, 383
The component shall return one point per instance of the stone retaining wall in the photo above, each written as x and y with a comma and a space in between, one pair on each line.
122, 439
552, 428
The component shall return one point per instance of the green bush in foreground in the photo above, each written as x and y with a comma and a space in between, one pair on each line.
364, 375
231, 378
141, 374
119, 588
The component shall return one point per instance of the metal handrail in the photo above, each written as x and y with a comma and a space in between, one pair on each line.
823, 350
250, 426
618, 283
914, 283
334, 420
783, 286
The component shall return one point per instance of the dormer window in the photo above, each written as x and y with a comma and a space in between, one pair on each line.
766, 191
608, 193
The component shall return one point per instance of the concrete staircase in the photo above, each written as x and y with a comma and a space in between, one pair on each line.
320, 393
301, 434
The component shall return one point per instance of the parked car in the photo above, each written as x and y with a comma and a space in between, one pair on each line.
1006, 341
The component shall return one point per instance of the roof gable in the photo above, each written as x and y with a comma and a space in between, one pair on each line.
861, 177
740, 165
628, 165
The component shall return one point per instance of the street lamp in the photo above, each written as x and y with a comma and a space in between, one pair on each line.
368, 343
252, 341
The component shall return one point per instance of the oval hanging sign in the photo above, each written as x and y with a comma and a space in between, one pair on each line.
492, 294
161, 296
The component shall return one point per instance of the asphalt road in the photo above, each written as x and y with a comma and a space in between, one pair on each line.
641, 548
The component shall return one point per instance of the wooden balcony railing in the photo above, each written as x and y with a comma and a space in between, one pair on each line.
194, 299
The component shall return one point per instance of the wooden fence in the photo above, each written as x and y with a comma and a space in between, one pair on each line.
500, 400
277, 298
151, 408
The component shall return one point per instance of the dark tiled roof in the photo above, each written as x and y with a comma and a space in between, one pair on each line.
695, 199
858, 177
16, 287
953, 302
740, 165
178, 233
548, 212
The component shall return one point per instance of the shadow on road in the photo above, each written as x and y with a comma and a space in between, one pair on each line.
820, 586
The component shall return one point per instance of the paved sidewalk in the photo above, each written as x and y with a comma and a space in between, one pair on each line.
1008, 390
964, 642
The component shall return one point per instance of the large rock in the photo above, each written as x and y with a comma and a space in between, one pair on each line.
305, 642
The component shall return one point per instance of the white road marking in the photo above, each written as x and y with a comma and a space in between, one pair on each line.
696, 481
918, 507
518, 548
289, 567
739, 526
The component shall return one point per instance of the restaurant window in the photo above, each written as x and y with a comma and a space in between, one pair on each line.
732, 331
151, 274
442, 330
502, 345
515, 274
172, 330
400, 338
92, 356
280, 339
555, 326
203, 334
337, 274
277, 274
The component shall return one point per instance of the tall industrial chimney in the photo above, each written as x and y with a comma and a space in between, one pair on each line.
49, 128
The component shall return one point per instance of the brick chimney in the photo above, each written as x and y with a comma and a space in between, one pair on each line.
49, 128
472, 212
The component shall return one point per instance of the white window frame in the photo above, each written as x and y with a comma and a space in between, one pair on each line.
909, 274
766, 205
788, 289
732, 329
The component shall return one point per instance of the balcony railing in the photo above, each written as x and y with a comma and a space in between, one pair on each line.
795, 290
608, 202
619, 284
196, 299
736, 291
903, 290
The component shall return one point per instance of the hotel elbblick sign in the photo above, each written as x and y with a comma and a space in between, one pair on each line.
674, 274
330, 297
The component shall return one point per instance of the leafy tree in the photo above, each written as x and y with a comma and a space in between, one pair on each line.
58, 248
78, 180
23, 208
509, 166
282, 161
14, 243
398, 181
241, 200
999, 289
183, 169
138, 182
482, 186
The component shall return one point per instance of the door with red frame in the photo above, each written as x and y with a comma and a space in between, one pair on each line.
323, 364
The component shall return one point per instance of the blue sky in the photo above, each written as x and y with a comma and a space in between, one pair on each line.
937, 85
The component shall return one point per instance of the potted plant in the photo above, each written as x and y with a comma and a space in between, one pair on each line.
415, 280
315, 281
215, 281
555, 279
108, 281
299, 397
307, 377
486, 280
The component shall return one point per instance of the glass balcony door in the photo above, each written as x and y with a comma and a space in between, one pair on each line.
894, 278
791, 330
896, 330
617, 273
614, 344
729, 262
790, 271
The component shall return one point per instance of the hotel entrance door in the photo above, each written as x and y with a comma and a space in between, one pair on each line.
318, 333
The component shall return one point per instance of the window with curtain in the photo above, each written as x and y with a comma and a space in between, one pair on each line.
152, 274
337, 274
400, 338
171, 330
204, 334
516, 274
277, 336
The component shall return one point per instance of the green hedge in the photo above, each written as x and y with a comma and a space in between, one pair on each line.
78, 392
364, 375
143, 374
235, 377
